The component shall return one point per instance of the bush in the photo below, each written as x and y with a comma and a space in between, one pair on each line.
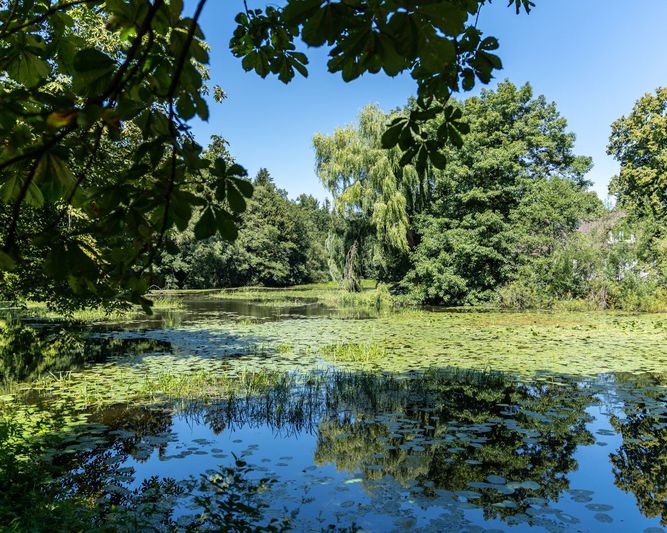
632, 293
523, 294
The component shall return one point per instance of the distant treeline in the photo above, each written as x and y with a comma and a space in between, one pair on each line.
281, 242
509, 220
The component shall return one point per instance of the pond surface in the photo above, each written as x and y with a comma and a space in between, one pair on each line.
231, 414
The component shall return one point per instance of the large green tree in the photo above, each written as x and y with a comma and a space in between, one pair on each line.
639, 144
518, 153
98, 163
375, 196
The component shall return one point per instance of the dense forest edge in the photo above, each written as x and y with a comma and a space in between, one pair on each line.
511, 221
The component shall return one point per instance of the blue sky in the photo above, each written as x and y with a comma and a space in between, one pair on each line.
594, 58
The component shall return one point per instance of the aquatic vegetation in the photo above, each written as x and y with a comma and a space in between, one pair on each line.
329, 294
207, 385
98, 314
408, 418
353, 353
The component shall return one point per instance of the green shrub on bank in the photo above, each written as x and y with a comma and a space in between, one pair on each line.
632, 293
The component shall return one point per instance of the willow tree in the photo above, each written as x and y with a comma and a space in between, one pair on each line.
376, 192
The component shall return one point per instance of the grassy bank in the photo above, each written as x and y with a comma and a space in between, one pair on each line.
372, 295
99, 314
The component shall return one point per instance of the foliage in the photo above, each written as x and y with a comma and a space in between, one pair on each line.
98, 162
487, 206
639, 143
280, 242
610, 263
640, 464
453, 235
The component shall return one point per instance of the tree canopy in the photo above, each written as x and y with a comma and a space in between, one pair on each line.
454, 235
639, 143
98, 163
280, 243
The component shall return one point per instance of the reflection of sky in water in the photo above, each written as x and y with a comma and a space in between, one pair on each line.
332, 477
325, 495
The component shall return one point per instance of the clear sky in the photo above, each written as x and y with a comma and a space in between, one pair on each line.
594, 58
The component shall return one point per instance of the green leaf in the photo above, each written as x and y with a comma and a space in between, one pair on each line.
236, 170
219, 168
93, 70
391, 135
244, 187
235, 198
437, 53
175, 8
28, 69
226, 225
91, 59
455, 137
446, 16
10, 189
206, 225
437, 159
313, 33
34, 196
297, 11
185, 107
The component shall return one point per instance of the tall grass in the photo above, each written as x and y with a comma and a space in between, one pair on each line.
98, 314
354, 353
330, 294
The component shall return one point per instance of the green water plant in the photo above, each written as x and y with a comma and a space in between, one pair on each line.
354, 353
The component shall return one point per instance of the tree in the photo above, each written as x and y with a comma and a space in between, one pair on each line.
375, 196
98, 164
639, 143
271, 238
517, 149
316, 221
280, 242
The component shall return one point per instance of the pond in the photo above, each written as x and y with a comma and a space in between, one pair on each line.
288, 413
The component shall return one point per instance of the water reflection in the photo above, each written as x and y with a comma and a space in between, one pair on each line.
28, 353
470, 447
503, 444
210, 308
640, 464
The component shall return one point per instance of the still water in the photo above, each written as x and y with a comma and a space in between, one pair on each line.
459, 422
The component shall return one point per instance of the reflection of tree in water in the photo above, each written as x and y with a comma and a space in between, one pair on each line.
452, 430
71, 473
285, 402
128, 431
446, 429
26, 353
443, 430
640, 464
